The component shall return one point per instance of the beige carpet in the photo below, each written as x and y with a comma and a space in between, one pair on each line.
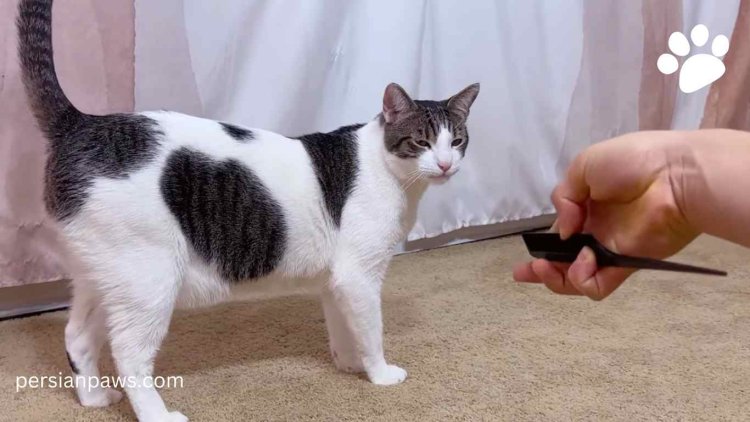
477, 347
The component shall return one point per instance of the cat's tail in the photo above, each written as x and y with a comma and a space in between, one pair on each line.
54, 113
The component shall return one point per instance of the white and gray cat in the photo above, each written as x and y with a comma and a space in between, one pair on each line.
161, 209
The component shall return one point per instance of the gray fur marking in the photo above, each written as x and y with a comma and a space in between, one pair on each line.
238, 133
334, 158
230, 218
81, 147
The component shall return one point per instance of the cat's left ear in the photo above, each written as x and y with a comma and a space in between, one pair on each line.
461, 102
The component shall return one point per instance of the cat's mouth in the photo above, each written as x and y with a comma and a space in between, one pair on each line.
439, 179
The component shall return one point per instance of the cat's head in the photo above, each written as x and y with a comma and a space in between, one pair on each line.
426, 139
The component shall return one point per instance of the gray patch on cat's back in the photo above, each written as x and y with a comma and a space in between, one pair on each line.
334, 158
226, 212
238, 133
110, 146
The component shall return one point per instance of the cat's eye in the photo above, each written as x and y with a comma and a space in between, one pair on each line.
456, 142
423, 144
405, 138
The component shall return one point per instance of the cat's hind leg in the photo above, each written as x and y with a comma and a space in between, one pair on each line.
139, 298
85, 334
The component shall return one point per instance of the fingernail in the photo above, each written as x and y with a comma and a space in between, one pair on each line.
564, 233
587, 255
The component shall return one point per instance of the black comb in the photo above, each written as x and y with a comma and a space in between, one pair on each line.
549, 246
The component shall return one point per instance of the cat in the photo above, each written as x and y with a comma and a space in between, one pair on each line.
161, 209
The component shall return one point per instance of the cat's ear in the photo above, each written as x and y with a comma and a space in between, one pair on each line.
461, 102
395, 102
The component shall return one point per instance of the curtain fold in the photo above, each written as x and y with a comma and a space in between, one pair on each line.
660, 19
689, 108
728, 103
605, 100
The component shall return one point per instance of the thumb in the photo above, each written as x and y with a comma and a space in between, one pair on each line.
570, 198
582, 269
592, 281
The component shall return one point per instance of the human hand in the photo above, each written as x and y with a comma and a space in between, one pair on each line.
627, 192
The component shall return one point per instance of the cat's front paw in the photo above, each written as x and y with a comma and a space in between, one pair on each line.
100, 397
389, 375
177, 417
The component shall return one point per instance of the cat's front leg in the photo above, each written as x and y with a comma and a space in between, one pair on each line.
355, 294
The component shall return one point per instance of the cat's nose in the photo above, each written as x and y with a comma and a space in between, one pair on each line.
444, 166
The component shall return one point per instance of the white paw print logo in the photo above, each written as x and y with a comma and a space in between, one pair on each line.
699, 70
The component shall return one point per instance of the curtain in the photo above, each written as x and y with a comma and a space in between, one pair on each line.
728, 103
93, 43
556, 77
689, 108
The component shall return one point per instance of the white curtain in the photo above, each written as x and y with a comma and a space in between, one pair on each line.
556, 76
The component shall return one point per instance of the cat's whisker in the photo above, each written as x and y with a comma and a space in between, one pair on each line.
414, 180
410, 177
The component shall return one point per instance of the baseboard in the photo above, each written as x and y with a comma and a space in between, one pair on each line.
475, 233
32, 299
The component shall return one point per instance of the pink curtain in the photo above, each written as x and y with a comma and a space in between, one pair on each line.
93, 42
728, 103
660, 19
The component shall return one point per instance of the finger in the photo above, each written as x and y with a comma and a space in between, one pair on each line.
620, 169
583, 268
523, 273
604, 282
570, 215
570, 197
553, 277
593, 282
574, 186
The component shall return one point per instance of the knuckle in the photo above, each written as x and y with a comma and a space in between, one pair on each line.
661, 209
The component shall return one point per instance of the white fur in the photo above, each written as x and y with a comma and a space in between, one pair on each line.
442, 152
134, 265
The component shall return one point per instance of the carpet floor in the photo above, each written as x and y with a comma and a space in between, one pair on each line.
477, 346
